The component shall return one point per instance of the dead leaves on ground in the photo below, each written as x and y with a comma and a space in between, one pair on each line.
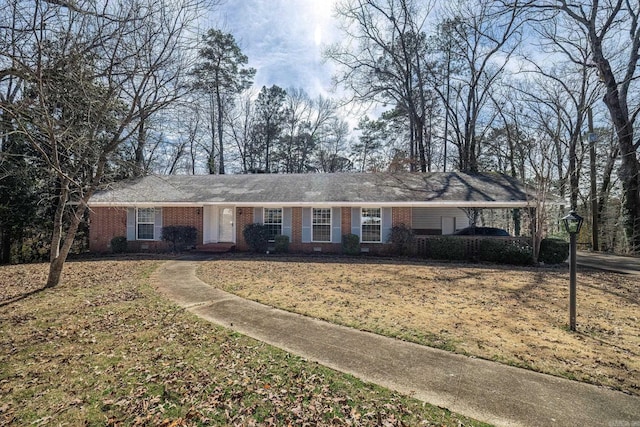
514, 315
103, 349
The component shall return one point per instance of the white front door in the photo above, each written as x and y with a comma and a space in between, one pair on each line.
226, 215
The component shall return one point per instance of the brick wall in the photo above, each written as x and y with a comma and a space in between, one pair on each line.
244, 216
296, 229
346, 221
401, 216
105, 224
187, 216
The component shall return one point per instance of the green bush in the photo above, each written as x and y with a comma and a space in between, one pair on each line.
401, 237
446, 248
281, 244
119, 245
505, 252
553, 251
351, 244
257, 237
180, 236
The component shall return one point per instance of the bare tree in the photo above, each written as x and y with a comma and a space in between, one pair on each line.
239, 128
383, 59
606, 24
331, 152
480, 37
565, 94
161, 44
308, 124
86, 79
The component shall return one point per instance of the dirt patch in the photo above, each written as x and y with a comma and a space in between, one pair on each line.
513, 315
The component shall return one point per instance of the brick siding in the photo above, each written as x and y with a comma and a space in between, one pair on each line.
107, 223
401, 216
244, 216
190, 217
104, 225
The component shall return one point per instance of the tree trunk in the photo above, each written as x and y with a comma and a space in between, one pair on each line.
58, 220
573, 174
593, 193
412, 142
57, 263
629, 171
220, 143
605, 185
421, 148
139, 167
211, 161
5, 247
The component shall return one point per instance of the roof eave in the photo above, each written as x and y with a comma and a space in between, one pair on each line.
412, 204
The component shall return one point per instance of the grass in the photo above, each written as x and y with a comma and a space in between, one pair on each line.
513, 315
104, 349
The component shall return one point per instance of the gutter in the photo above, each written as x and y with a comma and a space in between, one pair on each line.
337, 203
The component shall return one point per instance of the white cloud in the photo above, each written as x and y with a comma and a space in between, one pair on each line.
283, 39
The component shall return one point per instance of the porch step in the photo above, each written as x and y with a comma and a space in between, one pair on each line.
215, 247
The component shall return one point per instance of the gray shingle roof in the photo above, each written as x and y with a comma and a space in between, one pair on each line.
418, 189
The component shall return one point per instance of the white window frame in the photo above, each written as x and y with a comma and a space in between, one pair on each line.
362, 225
152, 223
264, 219
314, 223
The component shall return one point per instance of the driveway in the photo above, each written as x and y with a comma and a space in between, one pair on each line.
608, 262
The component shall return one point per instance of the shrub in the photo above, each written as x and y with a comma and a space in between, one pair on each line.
553, 251
351, 244
401, 237
257, 237
180, 236
446, 248
119, 245
505, 251
281, 244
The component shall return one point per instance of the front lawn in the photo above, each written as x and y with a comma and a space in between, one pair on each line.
513, 315
104, 348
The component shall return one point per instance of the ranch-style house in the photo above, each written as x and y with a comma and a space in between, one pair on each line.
314, 210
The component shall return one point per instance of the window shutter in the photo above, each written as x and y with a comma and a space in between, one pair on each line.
286, 222
336, 225
258, 216
306, 225
131, 223
157, 227
356, 213
387, 224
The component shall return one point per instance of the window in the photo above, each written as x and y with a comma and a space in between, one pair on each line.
273, 220
321, 230
371, 221
145, 222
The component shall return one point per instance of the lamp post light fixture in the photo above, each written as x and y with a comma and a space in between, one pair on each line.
572, 223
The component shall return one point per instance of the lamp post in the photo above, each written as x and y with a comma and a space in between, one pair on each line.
572, 224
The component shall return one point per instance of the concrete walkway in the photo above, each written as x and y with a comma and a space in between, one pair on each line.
480, 389
608, 262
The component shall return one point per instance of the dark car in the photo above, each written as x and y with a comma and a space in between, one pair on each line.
482, 231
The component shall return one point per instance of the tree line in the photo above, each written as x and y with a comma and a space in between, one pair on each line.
92, 92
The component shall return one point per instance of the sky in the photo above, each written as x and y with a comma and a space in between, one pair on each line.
283, 39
